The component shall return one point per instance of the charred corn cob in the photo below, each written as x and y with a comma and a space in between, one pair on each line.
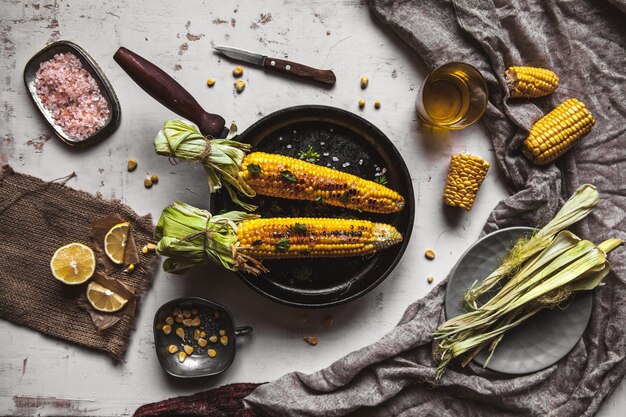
531, 82
465, 175
313, 238
281, 176
237, 240
556, 132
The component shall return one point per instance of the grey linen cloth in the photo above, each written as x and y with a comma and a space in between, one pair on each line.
583, 41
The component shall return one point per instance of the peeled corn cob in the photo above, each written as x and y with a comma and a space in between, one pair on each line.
236, 240
556, 132
465, 175
227, 166
531, 82
313, 238
282, 176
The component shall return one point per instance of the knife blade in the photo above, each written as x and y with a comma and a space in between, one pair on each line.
279, 65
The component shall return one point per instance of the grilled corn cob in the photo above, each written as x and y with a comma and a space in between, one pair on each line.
313, 237
281, 176
531, 82
556, 132
465, 175
189, 236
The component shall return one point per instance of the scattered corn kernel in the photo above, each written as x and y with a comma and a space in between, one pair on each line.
240, 85
222, 332
187, 322
430, 279
188, 349
212, 353
175, 310
377, 104
179, 319
172, 349
196, 322
531, 82
196, 334
131, 165
364, 82
361, 104
465, 175
224, 340
130, 268
556, 132
312, 340
181, 357
144, 250
194, 311
169, 320
154, 179
202, 342
202, 333
186, 313
213, 339
180, 332
210, 82
429, 254
167, 329
238, 71
147, 182
328, 323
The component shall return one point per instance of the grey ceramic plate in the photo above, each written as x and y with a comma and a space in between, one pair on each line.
539, 342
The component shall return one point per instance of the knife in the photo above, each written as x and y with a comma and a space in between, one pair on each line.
279, 65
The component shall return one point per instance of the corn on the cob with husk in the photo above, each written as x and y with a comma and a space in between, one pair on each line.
238, 241
281, 176
556, 132
465, 175
531, 82
227, 165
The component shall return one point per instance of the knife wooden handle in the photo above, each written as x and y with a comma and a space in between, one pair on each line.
301, 71
168, 92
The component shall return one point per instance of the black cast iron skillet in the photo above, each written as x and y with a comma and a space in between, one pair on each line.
346, 142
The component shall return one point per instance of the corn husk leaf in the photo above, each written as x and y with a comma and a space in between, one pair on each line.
221, 158
189, 236
578, 206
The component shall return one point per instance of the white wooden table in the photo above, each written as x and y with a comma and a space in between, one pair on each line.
43, 376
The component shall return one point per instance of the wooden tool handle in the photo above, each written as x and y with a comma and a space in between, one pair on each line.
299, 70
167, 91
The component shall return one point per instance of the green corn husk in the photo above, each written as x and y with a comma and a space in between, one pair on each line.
584, 199
537, 278
580, 267
189, 236
221, 158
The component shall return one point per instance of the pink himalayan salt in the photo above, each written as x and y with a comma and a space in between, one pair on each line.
71, 96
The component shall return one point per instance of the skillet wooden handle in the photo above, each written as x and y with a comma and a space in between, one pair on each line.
288, 67
167, 91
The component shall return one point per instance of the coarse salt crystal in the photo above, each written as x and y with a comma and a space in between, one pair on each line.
335, 159
71, 95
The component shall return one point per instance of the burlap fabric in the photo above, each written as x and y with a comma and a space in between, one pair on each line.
36, 218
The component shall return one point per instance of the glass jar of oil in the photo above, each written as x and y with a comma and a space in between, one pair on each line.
453, 96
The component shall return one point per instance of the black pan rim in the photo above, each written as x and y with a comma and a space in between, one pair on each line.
410, 200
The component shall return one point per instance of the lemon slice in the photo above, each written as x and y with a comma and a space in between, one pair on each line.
73, 264
103, 299
115, 242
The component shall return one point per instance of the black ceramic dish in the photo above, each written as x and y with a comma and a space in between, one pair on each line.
333, 133
30, 72
198, 364
348, 138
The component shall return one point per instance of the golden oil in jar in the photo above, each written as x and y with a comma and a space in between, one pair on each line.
453, 96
